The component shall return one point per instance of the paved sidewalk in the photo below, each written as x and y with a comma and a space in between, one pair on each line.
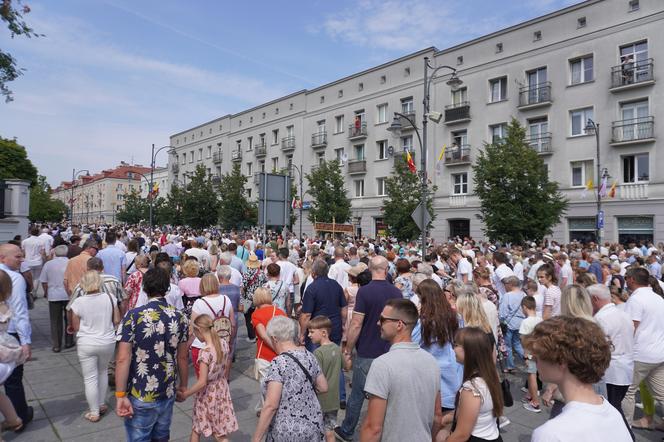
54, 387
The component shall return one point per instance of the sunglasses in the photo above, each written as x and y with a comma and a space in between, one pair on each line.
384, 319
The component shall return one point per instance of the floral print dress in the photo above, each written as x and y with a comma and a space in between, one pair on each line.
213, 407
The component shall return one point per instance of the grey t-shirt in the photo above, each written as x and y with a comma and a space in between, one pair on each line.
409, 379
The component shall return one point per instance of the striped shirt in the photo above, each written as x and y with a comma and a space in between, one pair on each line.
109, 284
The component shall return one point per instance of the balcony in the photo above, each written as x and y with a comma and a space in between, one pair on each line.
216, 178
457, 155
405, 124
257, 178
175, 168
541, 143
633, 191
260, 150
236, 155
319, 140
357, 132
288, 144
357, 166
457, 113
535, 96
217, 157
633, 131
632, 75
458, 201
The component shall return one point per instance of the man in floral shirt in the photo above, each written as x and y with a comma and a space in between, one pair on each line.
152, 339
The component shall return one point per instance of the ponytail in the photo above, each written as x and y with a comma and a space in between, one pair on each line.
206, 325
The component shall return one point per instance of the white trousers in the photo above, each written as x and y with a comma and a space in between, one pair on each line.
94, 363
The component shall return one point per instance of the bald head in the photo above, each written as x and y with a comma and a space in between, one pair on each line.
11, 256
378, 267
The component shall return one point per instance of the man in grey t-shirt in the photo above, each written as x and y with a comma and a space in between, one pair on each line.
403, 384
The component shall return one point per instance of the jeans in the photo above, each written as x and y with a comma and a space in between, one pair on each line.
354, 406
15, 391
653, 375
94, 363
513, 344
151, 421
59, 323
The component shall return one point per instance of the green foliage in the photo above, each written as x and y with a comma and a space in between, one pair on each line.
235, 209
14, 162
518, 202
403, 189
135, 209
13, 17
328, 194
43, 207
200, 206
169, 210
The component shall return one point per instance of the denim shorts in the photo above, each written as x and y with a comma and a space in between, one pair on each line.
531, 366
151, 420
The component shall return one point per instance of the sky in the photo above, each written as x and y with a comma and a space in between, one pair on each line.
111, 77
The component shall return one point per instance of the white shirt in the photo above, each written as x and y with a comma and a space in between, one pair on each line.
620, 329
217, 303
173, 298
501, 272
338, 272
47, 241
492, 315
53, 274
120, 245
566, 272
532, 273
647, 307
485, 425
201, 255
464, 267
584, 422
236, 277
518, 270
33, 247
288, 269
96, 313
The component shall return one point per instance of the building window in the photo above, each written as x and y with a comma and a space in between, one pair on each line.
459, 96
238, 144
248, 193
633, 5
322, 99
381, 147
320, 125
581, 70
340, 94
635, 229
499, 48
360, 87
381, 113
339, 155
459, 60
338, 124
380, 187
537, 35
239, 123
359, 188
460, 183
191, 156
200, 154
184, 157
261, 166
636, 168
383, 79
460, 139
498, 89
320, 158
498, 132
249, 169
250, 142
276, 111
261, 141
582, 172
290, 106
275, 136
263, 115
581, 22
359, 151
406, 72
407, 143
407, 105
290, 131
579, 119
209, 152
275, 164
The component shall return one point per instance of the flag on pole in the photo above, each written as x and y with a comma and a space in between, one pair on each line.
439, 163
410, 162
612, 191
442, 153
589, 186
155, 190
602, 187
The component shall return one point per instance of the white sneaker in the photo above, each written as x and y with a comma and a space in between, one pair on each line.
251, 341
524, 389
639, 405
530, 407
503, 421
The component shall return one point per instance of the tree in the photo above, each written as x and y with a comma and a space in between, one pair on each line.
200, 203
14, 162
169, 210
328, 194
403, 189
518, 202
235, 209
13, 17
135, 209
43, 207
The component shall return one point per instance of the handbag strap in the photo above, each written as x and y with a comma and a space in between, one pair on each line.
306, 373
513, 314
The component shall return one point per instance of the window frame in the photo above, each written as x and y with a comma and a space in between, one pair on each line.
361, 187
381, 108
381, 149
584, 121
582, 60
502, 85
461, 184
381, 189
635, 165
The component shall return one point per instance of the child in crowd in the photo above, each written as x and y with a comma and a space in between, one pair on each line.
533, 289
528, 306
329, 358
213, 408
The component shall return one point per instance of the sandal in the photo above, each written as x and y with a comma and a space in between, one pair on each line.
16, 426
103, 409
92, 417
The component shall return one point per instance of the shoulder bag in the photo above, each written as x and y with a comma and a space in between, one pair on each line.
306, 373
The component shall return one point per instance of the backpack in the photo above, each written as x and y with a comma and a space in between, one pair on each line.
221, 323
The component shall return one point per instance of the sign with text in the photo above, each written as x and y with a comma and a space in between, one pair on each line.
331, 227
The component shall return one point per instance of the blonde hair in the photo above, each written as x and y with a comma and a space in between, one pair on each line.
214, 248
470, 308
190, 268
5, 286
90, 281
262, 296
205, 325
575, 301
209, 285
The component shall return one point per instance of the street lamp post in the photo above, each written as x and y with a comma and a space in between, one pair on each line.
454, 82
593, 127
74, 174
299, 171
150, 195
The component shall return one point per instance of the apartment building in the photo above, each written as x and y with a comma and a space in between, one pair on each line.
592, 61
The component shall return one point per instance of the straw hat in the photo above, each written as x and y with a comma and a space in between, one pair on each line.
253, 262
357, 269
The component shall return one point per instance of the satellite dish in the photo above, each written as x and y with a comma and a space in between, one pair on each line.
390, 151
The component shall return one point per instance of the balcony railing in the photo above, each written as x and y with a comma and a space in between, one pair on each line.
261, 150
633, 130
175, 168
217, 157
405, 124
356, 132
458, 155
288, 143
236, 155
257, 178
633, 191
458, 201
357, 166
319, 139
633, 73
457, 113
538, 95
541, 143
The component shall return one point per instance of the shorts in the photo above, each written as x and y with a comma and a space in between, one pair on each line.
531, 366
330, 420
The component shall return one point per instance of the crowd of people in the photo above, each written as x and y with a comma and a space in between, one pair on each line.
428, 339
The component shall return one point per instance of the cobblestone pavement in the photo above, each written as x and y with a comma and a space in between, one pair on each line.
54, 387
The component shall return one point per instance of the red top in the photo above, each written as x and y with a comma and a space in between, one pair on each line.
262, 315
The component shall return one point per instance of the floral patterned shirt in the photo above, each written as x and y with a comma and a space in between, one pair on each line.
154, 330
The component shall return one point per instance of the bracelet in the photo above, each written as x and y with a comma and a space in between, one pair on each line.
120, 394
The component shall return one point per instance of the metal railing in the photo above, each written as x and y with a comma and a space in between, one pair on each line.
540, 143
538, 94
456, 112
236, 155
460, 154
319, 139
261, 151
632, 73
357, 166
288, 143
357, 131
632, 130
217, 157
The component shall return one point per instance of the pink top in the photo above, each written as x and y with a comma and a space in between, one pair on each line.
190, 286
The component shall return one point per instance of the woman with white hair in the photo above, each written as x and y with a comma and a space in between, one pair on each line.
291, 412
52, 279
224, 273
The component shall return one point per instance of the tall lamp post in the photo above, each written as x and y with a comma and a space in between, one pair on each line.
130, 175
593, 127
454, 82
151, 182
299, 171
74, 174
